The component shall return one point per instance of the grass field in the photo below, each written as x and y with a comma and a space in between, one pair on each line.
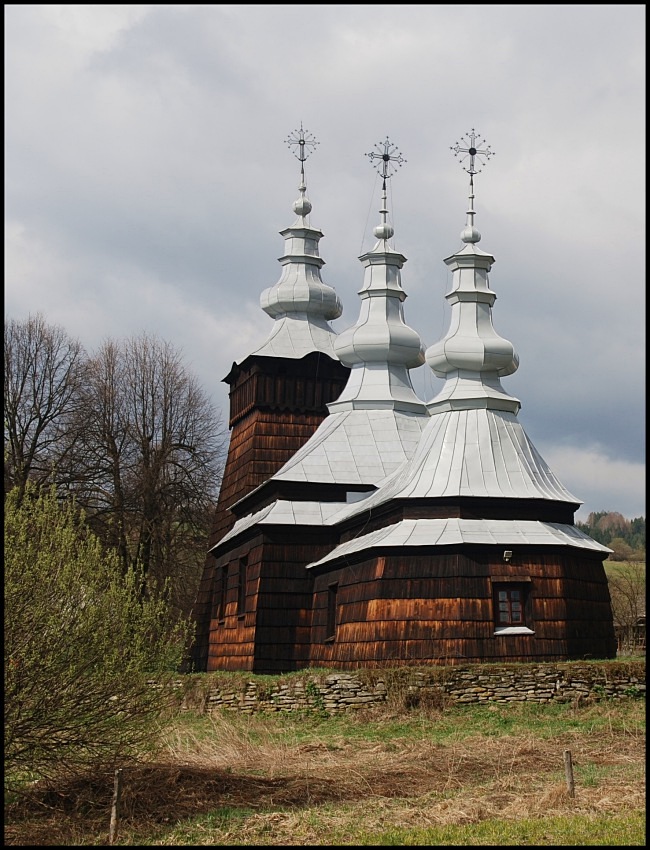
617, 568
462, 775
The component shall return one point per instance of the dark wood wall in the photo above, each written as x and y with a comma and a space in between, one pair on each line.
462, 507
438, 608
278, 383
276, 405
231, 633
424, 607
273, 633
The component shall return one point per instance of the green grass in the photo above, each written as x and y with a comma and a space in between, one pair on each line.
464, 775
574, 830
463, 721
617, 568
626, 829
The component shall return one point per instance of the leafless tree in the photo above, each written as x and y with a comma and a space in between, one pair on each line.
44, 371
129, 432
627, 589
104, 452
149, 461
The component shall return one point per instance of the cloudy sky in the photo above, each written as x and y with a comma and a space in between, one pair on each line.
147, 177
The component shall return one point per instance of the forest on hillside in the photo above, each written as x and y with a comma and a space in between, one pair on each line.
625, 536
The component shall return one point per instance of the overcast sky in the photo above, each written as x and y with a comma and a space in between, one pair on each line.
147, 177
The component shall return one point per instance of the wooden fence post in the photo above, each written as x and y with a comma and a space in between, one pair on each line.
115, 808
568, 772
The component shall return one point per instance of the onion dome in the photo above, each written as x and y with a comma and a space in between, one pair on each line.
376, 423
473, 444
300, 303
381, 348
472, 357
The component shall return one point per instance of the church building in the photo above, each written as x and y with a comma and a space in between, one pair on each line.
360, 526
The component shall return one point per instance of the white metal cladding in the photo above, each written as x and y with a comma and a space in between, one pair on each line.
376, 422
377, 385
296, 335
378, 432
355, 447
300, 302
283, 512
484, 453
454, 531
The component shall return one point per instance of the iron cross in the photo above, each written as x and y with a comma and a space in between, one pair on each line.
304, 140
472, 139
390, 158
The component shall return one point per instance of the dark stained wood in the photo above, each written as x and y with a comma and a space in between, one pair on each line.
447, 614
276, 631
277, 383
425, 605
462, 507
276, 404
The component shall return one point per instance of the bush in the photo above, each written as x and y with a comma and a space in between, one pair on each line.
81, 645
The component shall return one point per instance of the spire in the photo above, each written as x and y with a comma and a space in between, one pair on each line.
380, 347
305, 144
472, 357
300, 303
470, 234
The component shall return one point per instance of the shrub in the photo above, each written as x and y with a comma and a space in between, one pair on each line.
81, 645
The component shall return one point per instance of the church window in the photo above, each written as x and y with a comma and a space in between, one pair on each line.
510, 608
332, 591
241, 587
221, 612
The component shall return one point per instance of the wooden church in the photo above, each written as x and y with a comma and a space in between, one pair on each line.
359, 526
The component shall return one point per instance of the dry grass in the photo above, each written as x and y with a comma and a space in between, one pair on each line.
267, 788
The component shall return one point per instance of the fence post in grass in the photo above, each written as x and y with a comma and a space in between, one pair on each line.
115, 808
568, 772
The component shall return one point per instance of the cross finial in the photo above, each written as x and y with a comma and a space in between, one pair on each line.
390, 159
306, 144
304, 140
472, 140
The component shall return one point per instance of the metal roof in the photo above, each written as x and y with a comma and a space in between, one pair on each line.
415, 532
479, 452
376, 422
295, 335
356, 447
454, 531
300, 302
471, 445
283, 512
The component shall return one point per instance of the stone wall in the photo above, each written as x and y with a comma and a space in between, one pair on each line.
335, 692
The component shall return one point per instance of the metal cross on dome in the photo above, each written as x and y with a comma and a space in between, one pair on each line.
390, 159
472, 140
304, 140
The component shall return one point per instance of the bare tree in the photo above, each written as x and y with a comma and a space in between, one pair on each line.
149, 462
128, 432
104, 453
627, 589
44, 369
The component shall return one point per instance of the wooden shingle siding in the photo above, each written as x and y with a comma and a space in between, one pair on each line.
429, 606
279, 603
462, 507
304, 385
438, 608
266, 430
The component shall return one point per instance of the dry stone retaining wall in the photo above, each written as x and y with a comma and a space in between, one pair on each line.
337, 692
